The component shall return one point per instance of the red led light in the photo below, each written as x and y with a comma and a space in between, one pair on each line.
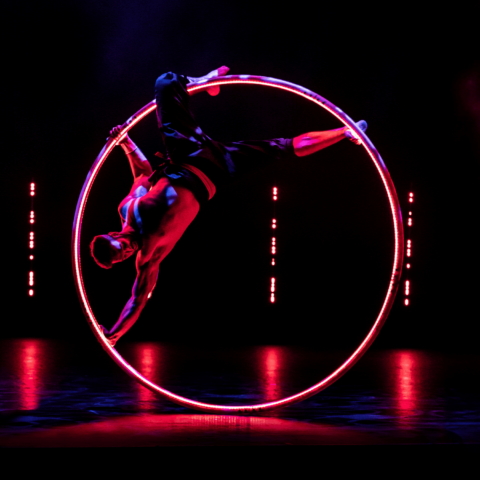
409, 252
274, 250
274, 221
407, 301
274, 226
381, 317
274, 197
408, 265
409, 222
410, 200
273, 261
30, 292
411, 194
31, 257
409, 213
272, 299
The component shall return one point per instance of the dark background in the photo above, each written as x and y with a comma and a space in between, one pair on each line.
74, 69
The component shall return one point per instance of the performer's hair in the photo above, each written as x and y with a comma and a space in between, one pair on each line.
101, 250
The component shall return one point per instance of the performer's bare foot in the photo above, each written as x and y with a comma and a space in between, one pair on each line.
219, 72
352, 136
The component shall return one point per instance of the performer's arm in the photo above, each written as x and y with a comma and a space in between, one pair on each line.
138, 162
147, 273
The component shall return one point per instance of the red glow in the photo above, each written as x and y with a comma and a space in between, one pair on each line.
30, 292
31, 257
29, 373
273, 261
274, 250
274, 221
32, 193
270, 362
407, 302
410, 200
273, 279
274, 197
409, 222
274, 226
408, 265
147, 356
272, 299
409, 252
31, 244
411, 194
410, 367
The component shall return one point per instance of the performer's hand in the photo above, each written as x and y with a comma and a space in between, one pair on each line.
115, 132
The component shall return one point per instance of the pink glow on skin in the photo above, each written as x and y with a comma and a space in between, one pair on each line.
397, 252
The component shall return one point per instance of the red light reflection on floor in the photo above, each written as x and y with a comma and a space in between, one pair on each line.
29, 373
269, 368
411, 375
147, 358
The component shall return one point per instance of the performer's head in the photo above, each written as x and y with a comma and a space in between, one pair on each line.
113, 248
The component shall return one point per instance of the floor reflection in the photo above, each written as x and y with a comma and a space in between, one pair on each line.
148, 359
77, 390
269, 370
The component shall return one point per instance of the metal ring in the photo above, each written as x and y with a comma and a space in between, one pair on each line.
395, 273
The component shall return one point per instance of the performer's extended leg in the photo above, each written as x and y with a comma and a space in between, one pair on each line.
312, 142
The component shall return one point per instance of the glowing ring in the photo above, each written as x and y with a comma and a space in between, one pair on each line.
394, 279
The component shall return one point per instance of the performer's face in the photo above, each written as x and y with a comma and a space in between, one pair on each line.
121, 248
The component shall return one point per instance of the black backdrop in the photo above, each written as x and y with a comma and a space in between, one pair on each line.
74, 69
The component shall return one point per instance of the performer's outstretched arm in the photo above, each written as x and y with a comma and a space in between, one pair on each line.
138, 162
147, 274
312, 142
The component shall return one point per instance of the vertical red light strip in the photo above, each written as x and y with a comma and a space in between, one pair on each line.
408, 246
273, 246
31, 242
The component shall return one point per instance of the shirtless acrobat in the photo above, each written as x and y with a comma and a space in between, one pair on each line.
162, 203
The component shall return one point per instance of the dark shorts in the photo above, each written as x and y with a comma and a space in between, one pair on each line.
184, 142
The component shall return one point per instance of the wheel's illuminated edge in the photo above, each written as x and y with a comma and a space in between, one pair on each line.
392, 287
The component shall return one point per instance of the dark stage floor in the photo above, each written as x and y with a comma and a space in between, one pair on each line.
59, 394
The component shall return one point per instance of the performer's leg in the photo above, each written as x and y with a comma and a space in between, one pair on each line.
312, 142
179, 129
